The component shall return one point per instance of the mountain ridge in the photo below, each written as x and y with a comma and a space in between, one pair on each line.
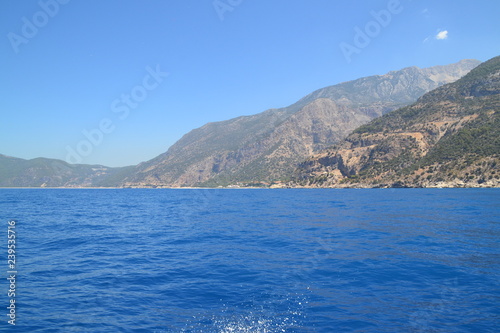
46, 172
263, 147
267, 145
449, 138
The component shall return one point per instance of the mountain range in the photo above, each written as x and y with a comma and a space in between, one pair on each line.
449, 138
46, 172
259, 149
268, 146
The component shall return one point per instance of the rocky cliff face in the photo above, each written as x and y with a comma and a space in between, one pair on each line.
449, 137
267, 146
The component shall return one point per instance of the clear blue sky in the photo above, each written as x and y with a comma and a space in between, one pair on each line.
68, 66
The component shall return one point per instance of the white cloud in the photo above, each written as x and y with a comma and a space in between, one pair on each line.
442, 34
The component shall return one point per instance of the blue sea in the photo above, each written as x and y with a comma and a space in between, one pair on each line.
291, 260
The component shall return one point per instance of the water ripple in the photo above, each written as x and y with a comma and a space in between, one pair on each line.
256, 260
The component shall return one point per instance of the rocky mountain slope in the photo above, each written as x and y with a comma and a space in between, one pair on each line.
263, 147
269, 145
449, 138
45, 172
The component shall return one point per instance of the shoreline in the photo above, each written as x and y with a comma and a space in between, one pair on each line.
248, 188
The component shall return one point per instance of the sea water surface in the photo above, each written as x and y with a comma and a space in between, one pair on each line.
158, 260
